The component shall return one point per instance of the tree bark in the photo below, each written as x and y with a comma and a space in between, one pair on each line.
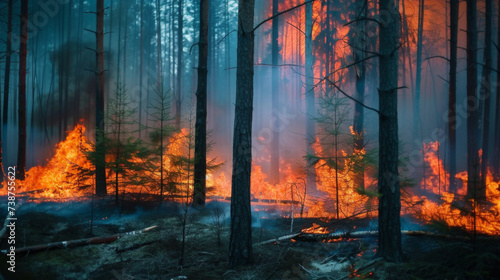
473, 188
452, 95
496, 153
23, 52
310, 101
389, 208
200, 148
8, 53
100, 165
274, 174
240, 244
485, 93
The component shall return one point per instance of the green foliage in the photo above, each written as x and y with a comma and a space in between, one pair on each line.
122, 148
335, 136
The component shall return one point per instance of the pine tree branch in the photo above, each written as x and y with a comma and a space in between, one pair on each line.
352, 98
300, 30
280, 13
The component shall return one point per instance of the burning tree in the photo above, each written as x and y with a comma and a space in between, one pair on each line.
337, 168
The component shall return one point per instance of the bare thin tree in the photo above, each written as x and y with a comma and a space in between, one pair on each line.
473, 167
240, 244
200, 146
23, 53
389, 221
100, 164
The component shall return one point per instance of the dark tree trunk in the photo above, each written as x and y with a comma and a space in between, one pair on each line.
100, 165
310, 101
8, 54
1, 151
359, 113
23, 52
240, 244
389, 208
452, 103
496, 153
179, 66
485, 93
473, 188
274, 174
200, 146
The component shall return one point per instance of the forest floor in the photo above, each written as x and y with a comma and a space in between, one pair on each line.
156, 254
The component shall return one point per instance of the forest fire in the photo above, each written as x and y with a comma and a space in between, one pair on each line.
313, 139
454, 208
315, 228
59, 180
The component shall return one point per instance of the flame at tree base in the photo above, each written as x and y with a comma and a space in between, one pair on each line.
455, 209
59, 180
52, 180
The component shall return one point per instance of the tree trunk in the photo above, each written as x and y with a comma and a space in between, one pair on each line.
1, 151
125, 38
496, 153
473, 188
417, 126
240, 244
8, 54
310, 101
452, 103
389, 208
485, 93
274, 174
141, 59
23, 52
275, 99
200, 148
119, 42
359, 113
159, 74
100, 165
179, 65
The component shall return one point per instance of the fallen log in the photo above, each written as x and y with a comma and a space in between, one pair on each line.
77, 243
286, 237
364, 234
335, 235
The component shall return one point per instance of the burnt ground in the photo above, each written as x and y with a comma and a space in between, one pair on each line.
157, 253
